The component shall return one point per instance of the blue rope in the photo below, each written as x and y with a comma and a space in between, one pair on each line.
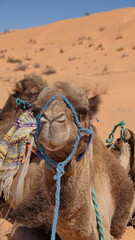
25, 104
111, 135
61, 165
99, 221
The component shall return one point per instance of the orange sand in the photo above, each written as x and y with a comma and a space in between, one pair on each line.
5, 228
96, 51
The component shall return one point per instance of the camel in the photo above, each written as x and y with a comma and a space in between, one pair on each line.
26, 89
97, 168
124, 150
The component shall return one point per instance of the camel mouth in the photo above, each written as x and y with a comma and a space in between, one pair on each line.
53, 148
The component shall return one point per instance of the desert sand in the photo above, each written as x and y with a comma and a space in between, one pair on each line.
95, 51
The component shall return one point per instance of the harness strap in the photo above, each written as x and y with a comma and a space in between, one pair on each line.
33, 150
20, 185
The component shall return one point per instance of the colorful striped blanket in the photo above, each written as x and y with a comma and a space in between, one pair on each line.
12, 150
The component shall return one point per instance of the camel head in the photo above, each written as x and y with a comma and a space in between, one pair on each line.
59, 130
29, 88
124, 151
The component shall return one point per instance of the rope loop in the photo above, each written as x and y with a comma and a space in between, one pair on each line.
122, 123
25, 104
88, 131
111, 135
60, 171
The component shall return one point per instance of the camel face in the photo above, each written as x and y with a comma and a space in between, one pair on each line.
28, 89
59, 130
58, 126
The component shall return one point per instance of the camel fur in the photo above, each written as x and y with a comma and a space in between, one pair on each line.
124, 150
26, 89
98, 168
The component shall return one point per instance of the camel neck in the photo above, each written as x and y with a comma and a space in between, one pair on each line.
74, 182
75, 196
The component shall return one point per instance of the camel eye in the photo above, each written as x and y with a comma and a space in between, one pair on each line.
61, 118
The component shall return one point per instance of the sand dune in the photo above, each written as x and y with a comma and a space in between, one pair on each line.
96, 51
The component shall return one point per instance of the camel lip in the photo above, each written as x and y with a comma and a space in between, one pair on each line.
53, 148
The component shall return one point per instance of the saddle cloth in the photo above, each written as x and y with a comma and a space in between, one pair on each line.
12, 150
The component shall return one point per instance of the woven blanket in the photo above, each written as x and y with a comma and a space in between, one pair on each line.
12, 150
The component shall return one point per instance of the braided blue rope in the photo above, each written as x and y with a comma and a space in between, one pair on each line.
60, 166
111, 135
25, 104
99, 221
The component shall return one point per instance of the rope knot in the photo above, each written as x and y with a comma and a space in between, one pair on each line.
25, 104
122, 123
60, 171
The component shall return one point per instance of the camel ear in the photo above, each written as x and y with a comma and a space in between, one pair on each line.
93, 105
19, 87
127, 134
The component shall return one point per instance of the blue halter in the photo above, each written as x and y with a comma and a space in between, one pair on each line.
25, 104
61, 165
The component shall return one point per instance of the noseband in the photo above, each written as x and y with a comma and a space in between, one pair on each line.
40, 147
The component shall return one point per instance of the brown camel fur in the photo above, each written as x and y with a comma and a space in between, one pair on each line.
98, 168
124, 151
26, 89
